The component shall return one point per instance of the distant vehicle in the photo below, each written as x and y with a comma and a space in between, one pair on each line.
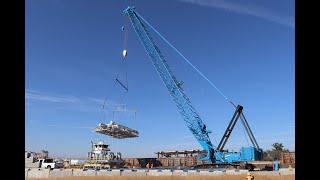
47, 163
93, 166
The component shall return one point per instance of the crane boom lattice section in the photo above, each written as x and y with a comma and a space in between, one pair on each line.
188, 112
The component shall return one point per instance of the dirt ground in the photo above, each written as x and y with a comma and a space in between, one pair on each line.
222, 177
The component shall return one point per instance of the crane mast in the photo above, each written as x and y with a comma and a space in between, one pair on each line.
188, 112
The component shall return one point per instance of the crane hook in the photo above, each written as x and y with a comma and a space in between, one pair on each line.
124, 53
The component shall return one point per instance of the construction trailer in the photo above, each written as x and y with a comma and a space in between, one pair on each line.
164, 162
141, 162
287, 159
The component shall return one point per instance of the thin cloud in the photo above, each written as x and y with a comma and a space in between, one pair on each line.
39, 96
100, 101
52, 125
255, 11
79, 103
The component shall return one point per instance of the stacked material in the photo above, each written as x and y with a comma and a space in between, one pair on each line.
116, 130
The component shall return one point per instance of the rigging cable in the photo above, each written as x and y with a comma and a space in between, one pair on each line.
186, 60
124, 54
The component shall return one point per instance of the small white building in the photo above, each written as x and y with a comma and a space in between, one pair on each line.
100, 153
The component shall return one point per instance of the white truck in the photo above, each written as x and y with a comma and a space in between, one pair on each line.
47, 163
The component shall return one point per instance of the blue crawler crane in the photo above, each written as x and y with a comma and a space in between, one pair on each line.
214, 155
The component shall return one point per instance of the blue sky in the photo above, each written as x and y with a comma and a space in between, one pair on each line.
74, 52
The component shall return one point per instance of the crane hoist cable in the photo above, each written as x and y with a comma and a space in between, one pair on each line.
123, 66
124, 54
125, 41
186, 60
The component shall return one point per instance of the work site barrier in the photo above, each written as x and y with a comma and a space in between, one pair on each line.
55, 173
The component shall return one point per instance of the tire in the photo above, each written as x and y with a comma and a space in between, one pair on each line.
49, 167
249, 167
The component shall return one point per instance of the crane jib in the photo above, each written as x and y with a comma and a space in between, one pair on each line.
188, 112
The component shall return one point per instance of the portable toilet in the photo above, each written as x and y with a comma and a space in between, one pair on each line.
276, 166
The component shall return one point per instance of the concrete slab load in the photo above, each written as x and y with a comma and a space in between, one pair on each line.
116, 130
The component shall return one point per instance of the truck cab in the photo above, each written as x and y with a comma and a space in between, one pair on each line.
47, 163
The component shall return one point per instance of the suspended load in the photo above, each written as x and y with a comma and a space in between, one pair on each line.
116, 130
